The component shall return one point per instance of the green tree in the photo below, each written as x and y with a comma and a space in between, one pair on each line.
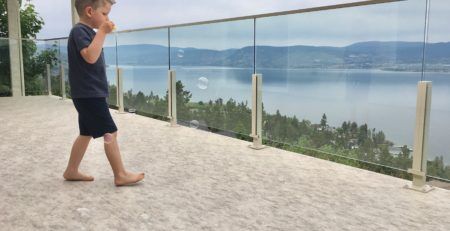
323, 121
436, 167
403, 159
34, 62
183, 99
385, 157
30, 21
363, 134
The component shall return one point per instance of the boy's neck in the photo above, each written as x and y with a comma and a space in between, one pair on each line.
86, 22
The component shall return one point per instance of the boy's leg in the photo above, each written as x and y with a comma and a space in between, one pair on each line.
78, 149
121, 176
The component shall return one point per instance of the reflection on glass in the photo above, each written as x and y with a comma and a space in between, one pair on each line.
110, 54
437, 70
343, 82
36, 55
5, 70
64, 62
54, 74
144, 59
214, 67
55, 67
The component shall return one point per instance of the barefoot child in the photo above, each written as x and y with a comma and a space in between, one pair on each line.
89, 89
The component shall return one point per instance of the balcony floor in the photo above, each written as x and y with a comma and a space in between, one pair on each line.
195, 180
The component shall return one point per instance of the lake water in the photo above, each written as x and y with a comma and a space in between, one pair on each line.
384, 100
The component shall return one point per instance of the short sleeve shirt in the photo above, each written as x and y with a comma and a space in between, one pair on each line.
86, 80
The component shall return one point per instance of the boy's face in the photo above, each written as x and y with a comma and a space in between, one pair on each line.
98, 16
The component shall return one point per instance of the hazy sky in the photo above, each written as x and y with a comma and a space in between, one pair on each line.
398, 21
132, 14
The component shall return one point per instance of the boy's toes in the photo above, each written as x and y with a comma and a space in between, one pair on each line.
129, 179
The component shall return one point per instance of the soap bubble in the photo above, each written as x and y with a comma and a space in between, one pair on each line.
194, 124
180, 53
202, 83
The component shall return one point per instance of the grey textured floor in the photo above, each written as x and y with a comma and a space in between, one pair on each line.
194, 181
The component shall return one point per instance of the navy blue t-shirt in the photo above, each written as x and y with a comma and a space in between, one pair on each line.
86, 80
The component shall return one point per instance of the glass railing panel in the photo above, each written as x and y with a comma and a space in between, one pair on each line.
437, 70
36, 55
64, 62
342, 82
214, 67
5, 69
110, 54
55, 72
144, 58
33, 69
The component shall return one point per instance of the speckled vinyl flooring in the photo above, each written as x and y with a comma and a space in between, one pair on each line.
195, 180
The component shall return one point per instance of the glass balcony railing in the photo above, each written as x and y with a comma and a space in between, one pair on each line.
343, 81
214, 66
110, 53
338, 83
64, 63
37, 54
437, 70
143, 57
55, 68
40, 66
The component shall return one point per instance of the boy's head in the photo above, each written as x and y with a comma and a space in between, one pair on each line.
94, 11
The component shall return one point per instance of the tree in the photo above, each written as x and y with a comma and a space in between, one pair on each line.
323, 121
363, 133
183, 99
34, 62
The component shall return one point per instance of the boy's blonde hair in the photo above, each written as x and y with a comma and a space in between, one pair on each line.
80, 5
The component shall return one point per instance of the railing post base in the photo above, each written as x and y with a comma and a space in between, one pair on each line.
423, 189
172, 98
257, 144
420, 150
172, 124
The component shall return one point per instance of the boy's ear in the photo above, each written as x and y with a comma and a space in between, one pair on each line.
88, 11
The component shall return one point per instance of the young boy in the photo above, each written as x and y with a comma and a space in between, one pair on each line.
89, 89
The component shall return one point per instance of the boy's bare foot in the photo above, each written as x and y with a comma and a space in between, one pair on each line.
77, 176
128, 179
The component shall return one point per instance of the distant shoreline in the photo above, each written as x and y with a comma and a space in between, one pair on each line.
195, 67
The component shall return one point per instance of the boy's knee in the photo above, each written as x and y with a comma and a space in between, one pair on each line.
109, 138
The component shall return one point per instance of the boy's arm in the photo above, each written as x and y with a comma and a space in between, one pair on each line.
91, 53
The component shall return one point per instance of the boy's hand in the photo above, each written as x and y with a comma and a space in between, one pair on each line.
94, 50
107, 27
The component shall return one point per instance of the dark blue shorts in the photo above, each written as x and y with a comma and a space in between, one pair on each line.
94, 118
